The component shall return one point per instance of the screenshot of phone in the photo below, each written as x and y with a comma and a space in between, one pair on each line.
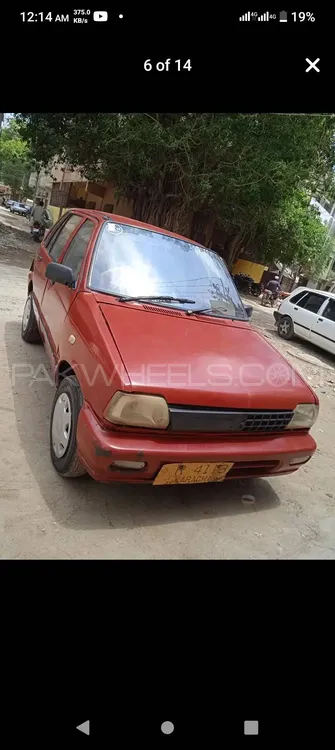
167, 377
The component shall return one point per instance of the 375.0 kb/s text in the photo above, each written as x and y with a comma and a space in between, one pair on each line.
167, 65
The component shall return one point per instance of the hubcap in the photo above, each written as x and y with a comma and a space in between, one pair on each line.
26, 314
284, 326
61, 425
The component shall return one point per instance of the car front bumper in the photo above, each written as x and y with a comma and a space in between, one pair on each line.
252, 455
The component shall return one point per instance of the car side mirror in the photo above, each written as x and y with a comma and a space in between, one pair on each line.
249, 310
56, 272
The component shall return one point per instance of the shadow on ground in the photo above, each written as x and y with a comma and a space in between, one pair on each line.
85, 504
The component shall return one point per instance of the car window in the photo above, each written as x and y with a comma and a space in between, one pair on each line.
329, 312
297, 297
55, 230
60, 239
131, 261
312, 302
75, 253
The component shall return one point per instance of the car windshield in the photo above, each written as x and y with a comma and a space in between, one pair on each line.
129, 261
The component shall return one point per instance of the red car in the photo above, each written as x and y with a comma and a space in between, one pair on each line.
160, 376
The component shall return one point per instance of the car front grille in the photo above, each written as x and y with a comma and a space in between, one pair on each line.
188, 419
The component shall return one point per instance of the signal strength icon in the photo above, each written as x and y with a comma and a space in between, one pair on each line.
245, 17
264, 17
250, 16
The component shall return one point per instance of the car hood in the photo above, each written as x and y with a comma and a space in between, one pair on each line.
202, 362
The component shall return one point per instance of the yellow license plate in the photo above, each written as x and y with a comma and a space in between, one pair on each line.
192, 473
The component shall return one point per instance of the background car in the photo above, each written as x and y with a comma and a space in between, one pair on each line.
19, 208
310, 314
9, 203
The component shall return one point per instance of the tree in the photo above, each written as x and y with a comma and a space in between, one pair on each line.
187, 171
15, 159
296, 233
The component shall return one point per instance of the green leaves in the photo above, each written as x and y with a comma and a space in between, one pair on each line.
14, 157
253, 174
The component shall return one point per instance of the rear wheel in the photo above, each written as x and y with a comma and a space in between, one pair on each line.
29, 327
286, 328
63, 428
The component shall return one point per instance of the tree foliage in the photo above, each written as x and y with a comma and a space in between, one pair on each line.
15, 159
296, 233
251, 175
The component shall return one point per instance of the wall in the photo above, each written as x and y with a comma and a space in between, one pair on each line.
54, 210
122, 206
69, 176
255, 270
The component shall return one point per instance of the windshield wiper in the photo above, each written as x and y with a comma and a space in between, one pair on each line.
158, 298
207, 310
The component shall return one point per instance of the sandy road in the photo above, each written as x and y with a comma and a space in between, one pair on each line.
44, 516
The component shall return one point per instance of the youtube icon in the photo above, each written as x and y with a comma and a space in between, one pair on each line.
100, 15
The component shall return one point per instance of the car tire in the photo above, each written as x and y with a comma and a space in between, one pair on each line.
63, 429
285, 328
29, 327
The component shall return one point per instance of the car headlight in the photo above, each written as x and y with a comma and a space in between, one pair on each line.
304, 417
138, 411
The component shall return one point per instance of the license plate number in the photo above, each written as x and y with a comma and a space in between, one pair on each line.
193, 473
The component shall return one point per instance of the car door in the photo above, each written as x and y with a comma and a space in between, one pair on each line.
58, 298
51, 249
323, 330
304, 313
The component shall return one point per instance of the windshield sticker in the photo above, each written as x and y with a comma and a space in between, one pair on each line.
115, 228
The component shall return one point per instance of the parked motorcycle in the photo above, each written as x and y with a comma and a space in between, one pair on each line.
243, 282
37, 231
257, 289
246, 285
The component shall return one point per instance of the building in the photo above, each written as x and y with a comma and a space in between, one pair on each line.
64, 189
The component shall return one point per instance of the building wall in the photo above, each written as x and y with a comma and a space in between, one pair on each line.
255, 270
122, 207
66, 176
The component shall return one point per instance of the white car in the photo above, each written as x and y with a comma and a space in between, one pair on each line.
310, 314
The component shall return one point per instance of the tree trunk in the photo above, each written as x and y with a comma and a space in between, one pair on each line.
202, 227
234, 249
281, 275
162, 210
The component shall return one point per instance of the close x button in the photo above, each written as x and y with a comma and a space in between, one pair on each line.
312, 65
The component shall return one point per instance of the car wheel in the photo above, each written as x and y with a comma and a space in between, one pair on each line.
286, 328
29, 327
63, 428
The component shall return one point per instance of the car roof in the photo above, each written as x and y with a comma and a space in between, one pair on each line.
316, 291
90, 213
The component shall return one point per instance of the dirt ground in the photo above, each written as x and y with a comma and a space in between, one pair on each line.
45, 516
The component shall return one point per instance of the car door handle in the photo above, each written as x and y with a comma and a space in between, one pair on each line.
295, 308
39, 257
320, 320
